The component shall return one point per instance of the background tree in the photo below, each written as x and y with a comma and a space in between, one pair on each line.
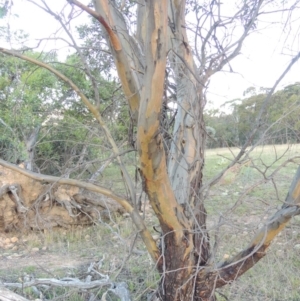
279, 125
26, 100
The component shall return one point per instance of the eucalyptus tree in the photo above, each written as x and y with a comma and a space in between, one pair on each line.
150, 44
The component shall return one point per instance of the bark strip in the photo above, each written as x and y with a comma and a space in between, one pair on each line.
177, 241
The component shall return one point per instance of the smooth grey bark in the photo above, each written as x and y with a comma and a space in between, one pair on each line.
7, 295
30, 146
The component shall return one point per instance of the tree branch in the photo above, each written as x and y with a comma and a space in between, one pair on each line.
149, 140
113, 37
236, 266
128, 80
128, 182
257, 126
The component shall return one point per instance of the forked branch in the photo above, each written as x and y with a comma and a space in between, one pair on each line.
112, 35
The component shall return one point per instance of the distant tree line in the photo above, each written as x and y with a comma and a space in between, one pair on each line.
232, 123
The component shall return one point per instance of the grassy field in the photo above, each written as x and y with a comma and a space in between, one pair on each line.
245, 197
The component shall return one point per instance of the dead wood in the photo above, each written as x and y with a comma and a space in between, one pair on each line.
27, 204
94, 279
7, 295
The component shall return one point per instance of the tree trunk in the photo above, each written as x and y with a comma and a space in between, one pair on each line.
173, 191
30, 145
186, 161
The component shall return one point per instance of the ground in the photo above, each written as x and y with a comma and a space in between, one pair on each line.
242, 201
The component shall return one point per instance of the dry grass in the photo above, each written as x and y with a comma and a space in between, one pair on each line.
243, 201
243, 211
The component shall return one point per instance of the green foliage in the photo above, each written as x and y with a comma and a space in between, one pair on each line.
95, 50
3, 8
33, 98
26, 94
64, 143
281, 122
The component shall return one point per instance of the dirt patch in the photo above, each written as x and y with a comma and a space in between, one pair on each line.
40, 261
18, 256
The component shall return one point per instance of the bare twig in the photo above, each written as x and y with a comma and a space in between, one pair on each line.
257, 126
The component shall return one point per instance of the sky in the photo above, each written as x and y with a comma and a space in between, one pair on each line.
264, 56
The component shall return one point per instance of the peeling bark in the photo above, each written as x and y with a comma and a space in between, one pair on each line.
119, 39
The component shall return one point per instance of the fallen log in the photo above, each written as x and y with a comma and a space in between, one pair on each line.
94, 279
28, 204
